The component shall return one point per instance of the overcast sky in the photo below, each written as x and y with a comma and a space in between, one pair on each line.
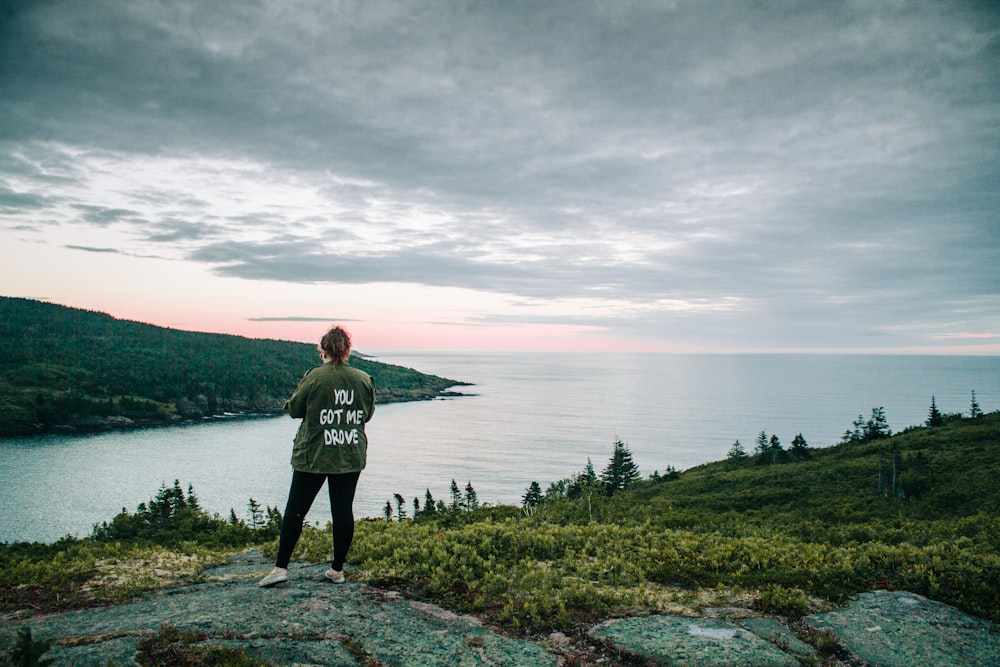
689, 176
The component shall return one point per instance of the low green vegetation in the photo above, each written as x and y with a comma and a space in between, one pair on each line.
168, 539
70, 369
787, 533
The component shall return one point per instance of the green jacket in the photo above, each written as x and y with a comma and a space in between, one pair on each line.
334, 402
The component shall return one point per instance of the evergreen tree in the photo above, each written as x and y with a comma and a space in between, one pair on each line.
558, 489
736, 452
877, 427
800, 448
256, 514
167, 503
192, 500
934, 417
416, 507
456, 496
760, 444
430, 507
858, 435
774, 450
387, 510
974, 411
273, 518
581, 484
532, 496
400, 506
471, 500
621, 471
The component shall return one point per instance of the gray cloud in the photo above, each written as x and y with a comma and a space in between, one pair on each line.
830, 166
101, 216
171, 231
20, 201
89, 249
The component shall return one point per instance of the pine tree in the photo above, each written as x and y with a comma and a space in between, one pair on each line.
256, 514
934, 416
736, 452
273, 518
857, 434
430, 507
877, 427
974, 411
471, 500
800, 448
387, 510
192, 500
621, 471
456, 496
400, 506
532, 496
760, 444
774, 449
580, 485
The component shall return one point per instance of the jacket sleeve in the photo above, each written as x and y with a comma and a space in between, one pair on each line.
296, 405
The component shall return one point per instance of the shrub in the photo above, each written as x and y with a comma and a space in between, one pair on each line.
776, 599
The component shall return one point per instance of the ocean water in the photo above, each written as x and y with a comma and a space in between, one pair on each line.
527, 417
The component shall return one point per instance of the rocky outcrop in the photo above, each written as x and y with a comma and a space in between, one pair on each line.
306, 621
900, 629
310, 621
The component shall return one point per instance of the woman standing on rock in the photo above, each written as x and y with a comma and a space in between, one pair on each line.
334, 402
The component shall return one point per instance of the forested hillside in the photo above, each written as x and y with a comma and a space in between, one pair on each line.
67, 368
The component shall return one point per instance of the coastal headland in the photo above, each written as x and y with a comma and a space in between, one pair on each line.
67, 370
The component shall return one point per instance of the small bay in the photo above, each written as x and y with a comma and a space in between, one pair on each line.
528, 417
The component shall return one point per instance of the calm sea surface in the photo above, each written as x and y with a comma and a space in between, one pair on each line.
532, 417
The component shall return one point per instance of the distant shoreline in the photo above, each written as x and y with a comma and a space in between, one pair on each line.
119, 423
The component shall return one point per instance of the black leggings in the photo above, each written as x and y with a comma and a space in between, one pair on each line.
305, 486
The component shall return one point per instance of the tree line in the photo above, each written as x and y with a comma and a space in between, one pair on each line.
467, 501
173, 517
68, 367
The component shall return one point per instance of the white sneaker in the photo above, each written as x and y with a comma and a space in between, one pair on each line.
336, 576
277, 575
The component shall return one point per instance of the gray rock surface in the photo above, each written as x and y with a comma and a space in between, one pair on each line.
307, 621
692, 640
895, 628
